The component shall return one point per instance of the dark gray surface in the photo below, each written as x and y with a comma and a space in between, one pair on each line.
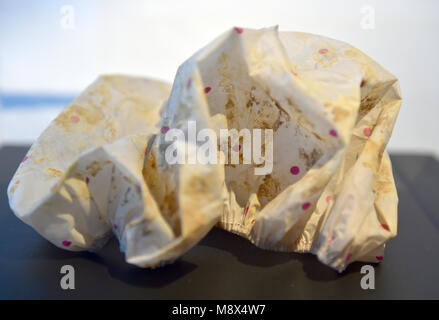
225, 266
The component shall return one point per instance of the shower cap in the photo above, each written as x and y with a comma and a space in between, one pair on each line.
322, 182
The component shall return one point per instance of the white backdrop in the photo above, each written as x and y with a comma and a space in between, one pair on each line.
61, 47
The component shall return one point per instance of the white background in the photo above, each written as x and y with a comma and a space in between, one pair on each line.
151, 38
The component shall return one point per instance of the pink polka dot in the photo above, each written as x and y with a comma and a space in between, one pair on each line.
24, 159
237, 148
328, 198
323, 51
66, 243
348, 256
239, 30
367, 132
306, 205
75, 119
294, 72
207, 89
385, 227
245, 211
87, 180
333, 133
294, 170
164, 129
115, 226
380, 258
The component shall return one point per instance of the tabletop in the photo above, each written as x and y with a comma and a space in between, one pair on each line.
225, 266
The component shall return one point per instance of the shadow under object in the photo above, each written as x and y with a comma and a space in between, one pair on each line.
225, 266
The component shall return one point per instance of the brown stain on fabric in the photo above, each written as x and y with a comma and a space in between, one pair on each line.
368, 103
252, 98
93, 168
339, 114
229, 107
54, 172
159, 185
372, 154
226, 83
317, 135
384, 183
14, 186
170, 201
91, 116
268, 190
310, 158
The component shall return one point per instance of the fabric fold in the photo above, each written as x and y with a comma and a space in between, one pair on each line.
307, 118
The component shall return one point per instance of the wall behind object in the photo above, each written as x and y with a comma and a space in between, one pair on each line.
60, 47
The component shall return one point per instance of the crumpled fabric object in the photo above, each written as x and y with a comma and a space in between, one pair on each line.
100, 167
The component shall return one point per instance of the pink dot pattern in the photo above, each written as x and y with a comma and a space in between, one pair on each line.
66, 243
75, 119
294, 170
306, 205
380, 258
164, 129
323, 51
367, 132
24, 159
333, 133
239, 30
328, 198
207, 89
